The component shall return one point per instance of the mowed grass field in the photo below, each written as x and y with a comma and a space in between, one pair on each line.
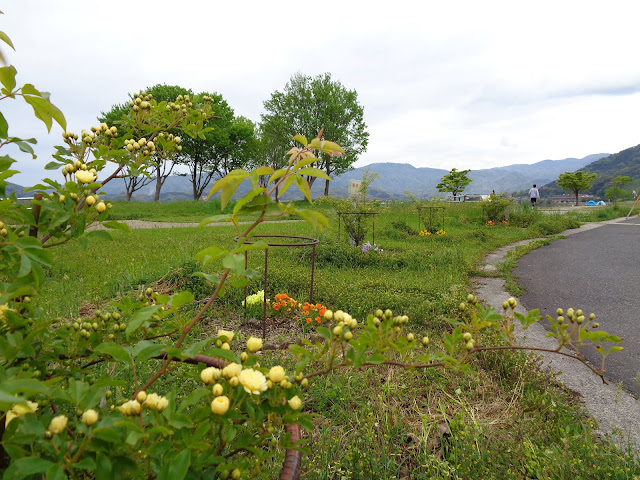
503, 420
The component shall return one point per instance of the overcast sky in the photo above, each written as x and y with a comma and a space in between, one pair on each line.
465, 84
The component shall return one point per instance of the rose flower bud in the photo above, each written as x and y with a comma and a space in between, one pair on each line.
89, 417
295, 403
58, 424
276, 374
220, 405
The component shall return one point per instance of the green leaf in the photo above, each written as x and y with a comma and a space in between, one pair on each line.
46, 111
113, 225
615, 349
117, 352
8, 78
234, 262
149, 352
23, 385
98, 234
228, 190
248, 197
276, 175
193, 398
298, 351
313, 172
216, 218
376, 358
181, 298
303, 186
304, 163
56, 472
220, 353
141, 316
264, 170
26, 466
209, 277
316, 219
180, 465
103, 467
4, 127
210, 254
5, 38
300, 139
284, 186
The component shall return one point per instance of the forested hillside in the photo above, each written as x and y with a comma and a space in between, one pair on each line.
624, 163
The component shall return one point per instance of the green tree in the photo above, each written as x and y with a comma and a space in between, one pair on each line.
118, 116
455, 181
310, 105
576, 182
616, 191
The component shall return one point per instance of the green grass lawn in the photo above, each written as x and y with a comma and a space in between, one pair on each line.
505, 421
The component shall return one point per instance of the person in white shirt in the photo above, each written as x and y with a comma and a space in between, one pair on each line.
534, 195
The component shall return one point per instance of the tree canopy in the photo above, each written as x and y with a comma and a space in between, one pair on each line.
455, 182
576, 182
306, 106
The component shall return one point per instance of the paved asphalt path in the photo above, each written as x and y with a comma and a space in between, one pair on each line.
597, 270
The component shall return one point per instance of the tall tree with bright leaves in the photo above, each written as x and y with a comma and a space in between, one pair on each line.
455, 182
306, 106
576, 182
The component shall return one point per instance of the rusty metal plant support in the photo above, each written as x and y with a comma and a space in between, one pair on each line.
308, 242
373, 221
431, 216
492, 212
293, 458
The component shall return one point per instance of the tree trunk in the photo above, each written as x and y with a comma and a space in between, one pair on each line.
326, 182
577, 199
129, 193
159, 183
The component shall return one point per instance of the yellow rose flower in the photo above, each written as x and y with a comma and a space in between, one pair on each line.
85, 176
162, 404
58, 424
253, 381
209, 375
89, 417
227, 334
295, 403
132, 407
220, 405
156, 402
20, 409
254, 344
231, 370
276, 374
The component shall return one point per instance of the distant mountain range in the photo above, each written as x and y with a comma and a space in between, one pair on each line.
396, 178
624, 163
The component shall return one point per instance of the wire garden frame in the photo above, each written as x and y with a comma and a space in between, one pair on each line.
359, 214
279, 241
433, 213
494, 213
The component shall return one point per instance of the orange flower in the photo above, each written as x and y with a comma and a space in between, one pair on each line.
318, 319
276, 306
308, 320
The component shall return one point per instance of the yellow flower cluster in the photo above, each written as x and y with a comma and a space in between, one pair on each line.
255, 299
151, 400
427, 233
253, 381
